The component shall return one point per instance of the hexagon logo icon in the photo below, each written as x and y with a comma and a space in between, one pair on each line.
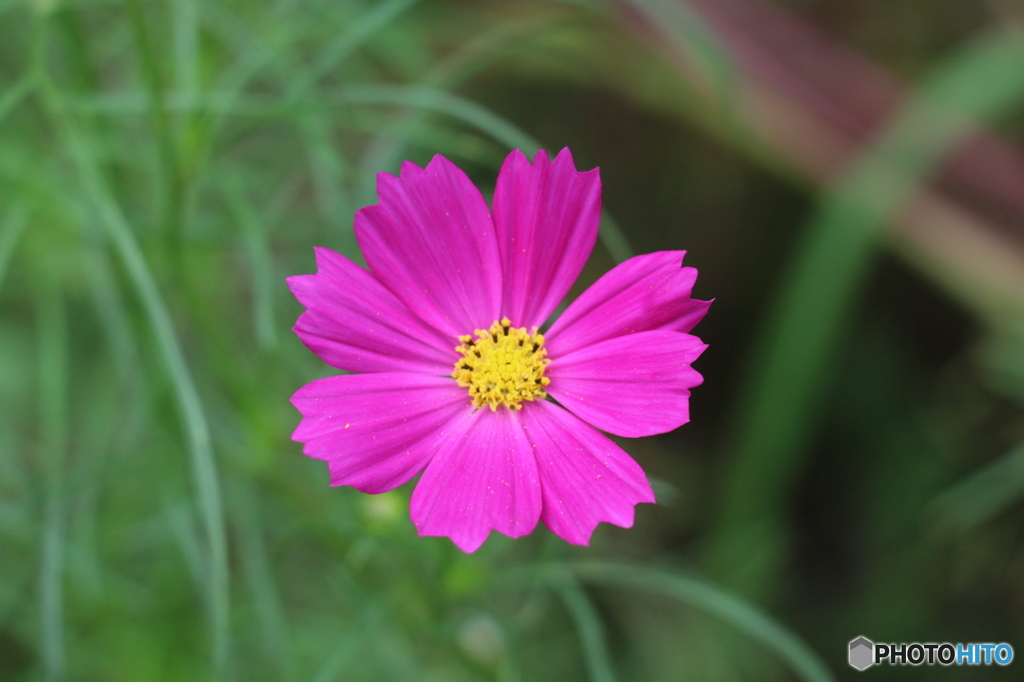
862, 653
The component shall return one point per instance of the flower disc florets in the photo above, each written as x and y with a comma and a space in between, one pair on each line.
504, 365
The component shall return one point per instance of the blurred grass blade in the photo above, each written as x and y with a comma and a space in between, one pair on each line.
204, 469
186, 46
165, 133
263, 278
982, 495
331, 669
362, 630
112, 313
53, 409
691, 34
804, 327
180, 519
327, 165
386, 151
266, 600
1002, 358
16, 94
440, 101
588, 626
371, 21
435, 100
11, 229
614, 239
298, 85
803, 661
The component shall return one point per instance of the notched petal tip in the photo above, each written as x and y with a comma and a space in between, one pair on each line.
516, 164
439, 164
468, 543
437, 160
430, 240
586, 479
410, 168
647, 292
564, 163
375, 430
633, 385
547, 216
329, 261
483, 478
581, 535
322, 253
355, 323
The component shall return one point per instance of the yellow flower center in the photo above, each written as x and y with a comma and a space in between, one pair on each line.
502, 366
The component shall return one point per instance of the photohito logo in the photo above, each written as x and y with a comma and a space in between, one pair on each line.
864, 653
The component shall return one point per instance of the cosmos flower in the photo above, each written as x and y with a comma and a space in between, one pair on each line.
451, 375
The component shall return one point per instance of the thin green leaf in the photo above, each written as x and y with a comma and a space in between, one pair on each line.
588, 626
386, 151
982, 495
259, 577
16, 94
691, 33
327, 166
164, 130
614, 239
53, 408
800, 658
263, 278
440, 101
331, 670
204, 469
11, 229
111, 310
380, 15
186, 45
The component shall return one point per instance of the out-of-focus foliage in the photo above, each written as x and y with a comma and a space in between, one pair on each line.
854, 464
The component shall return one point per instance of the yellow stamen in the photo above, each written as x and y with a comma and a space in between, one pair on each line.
502, 366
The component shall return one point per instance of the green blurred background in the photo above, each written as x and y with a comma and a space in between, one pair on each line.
847, 176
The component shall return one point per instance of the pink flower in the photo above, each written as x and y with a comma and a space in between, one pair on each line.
450, 375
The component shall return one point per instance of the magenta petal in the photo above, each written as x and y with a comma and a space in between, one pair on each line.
585, 477
354, 323
636, 385
483, 478
546, 215
376, 431
431, 241
644, 293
